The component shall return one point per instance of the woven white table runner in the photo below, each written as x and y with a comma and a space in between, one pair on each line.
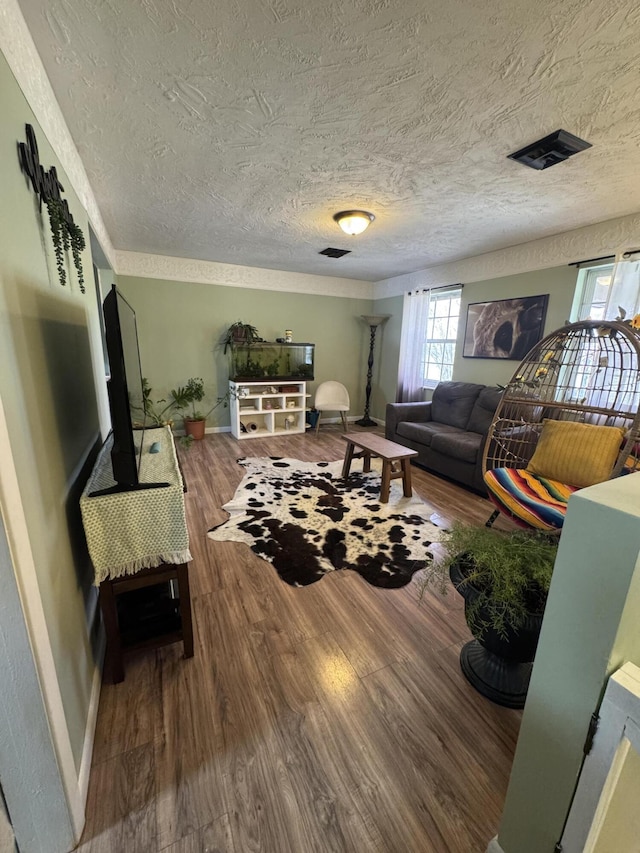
129, 531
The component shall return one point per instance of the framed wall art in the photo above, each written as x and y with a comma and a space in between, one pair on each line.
504, 328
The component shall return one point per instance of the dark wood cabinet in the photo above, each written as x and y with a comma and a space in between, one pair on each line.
141, 607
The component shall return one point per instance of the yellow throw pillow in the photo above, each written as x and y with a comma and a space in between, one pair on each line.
576, 454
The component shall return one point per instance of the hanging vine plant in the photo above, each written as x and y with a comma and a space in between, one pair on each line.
64, 231
65, 235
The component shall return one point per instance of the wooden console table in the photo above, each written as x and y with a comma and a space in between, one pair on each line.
139, 539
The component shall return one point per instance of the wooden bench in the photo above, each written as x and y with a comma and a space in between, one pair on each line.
395, 460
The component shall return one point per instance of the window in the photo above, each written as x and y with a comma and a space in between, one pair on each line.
603, 292
441, 336
428, 339
594, 287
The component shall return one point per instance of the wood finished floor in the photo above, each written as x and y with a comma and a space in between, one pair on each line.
323, 719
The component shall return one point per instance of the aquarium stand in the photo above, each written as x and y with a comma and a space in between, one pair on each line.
262, 409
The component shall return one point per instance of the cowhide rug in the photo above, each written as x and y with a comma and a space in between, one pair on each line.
305, 520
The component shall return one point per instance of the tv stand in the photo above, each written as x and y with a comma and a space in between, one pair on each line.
171, 626
130, 551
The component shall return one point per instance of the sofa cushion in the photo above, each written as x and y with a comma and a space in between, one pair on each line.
423, 433
484, 409
465, 446
453, 402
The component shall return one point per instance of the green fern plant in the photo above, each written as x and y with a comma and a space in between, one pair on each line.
511, 573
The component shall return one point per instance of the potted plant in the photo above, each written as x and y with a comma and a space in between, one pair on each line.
240, 333
155, 412
186, 398
504, 579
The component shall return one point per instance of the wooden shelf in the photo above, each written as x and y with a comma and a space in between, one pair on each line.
263, 407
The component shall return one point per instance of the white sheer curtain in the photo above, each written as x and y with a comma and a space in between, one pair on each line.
415, 314
624, 291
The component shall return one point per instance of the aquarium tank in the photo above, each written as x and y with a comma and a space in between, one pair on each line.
267, 360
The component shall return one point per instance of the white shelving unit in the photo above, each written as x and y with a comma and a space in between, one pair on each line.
259, 409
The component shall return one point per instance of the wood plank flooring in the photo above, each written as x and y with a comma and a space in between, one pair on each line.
327, 719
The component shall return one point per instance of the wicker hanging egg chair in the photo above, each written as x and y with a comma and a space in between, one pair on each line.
568, 418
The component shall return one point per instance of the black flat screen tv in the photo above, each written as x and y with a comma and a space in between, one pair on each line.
125, 388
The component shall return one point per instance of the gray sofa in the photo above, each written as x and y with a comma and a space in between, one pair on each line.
448, 432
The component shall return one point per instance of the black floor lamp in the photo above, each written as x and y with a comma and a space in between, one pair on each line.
373, 322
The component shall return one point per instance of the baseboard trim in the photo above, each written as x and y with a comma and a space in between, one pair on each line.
90, 729
350, 419
179, 433
494, 847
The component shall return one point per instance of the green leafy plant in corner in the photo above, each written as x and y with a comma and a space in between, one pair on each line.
65, 235
188, 396
155, 412
511, 572
193, 392
158, 412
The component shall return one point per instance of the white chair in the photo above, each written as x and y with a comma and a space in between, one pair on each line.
332, 397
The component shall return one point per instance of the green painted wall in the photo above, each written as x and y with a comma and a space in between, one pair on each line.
180, 325
590, 629
558, 282
47, 386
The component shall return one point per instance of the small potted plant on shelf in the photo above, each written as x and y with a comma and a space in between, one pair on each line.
504, 579
240, 333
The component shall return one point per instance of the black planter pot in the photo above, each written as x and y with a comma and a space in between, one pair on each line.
498, 667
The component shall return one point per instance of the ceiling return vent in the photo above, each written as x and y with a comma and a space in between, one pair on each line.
335, 253
552, 149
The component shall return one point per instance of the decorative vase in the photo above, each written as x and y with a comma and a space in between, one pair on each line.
499, 667
194, 428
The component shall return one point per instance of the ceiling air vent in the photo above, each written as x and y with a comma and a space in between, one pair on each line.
335, 253
552, 149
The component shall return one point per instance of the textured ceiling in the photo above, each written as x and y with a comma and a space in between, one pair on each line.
233, 131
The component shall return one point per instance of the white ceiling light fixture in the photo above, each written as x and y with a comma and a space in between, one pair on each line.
354, 221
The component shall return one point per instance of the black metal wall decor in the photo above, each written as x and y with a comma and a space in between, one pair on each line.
64, 231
